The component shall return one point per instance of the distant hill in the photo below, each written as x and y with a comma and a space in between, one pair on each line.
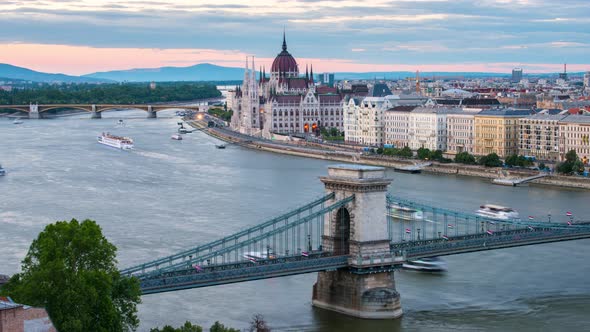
199, 72
19, 73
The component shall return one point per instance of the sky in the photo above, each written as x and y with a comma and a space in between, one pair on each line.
84, 36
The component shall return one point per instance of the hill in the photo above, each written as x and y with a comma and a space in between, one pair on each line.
19, 73
199, 72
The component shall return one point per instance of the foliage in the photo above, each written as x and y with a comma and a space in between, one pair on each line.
187, 327
542, 166
258, 324
516, 160
571, 165
406, 152
331, 134
129, 93
491, 160
423, 153
71, 270
218, 112
465, 158
218, 327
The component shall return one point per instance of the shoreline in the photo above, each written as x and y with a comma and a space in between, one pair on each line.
349, 156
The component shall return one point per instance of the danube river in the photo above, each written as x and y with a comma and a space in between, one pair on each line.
169, 195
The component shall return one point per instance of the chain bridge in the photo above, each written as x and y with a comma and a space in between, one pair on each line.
35, 110
355, 237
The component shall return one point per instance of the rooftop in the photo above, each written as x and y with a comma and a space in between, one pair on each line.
505, 112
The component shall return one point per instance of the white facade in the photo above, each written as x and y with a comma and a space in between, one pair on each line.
396, 127
364, 120
460, 132
428, 128
574, 131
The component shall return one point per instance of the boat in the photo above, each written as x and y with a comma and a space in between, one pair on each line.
220, 146
2, 171
497, 212
119, 142
404, 213
431, 264
17, 121
184, 131
256, 255
176, 137
121, 123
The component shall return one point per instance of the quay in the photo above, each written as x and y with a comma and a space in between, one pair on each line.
352, 155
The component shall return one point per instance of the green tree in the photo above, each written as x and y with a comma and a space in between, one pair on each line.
542, 166
571, 165
379, 150
511, 160
423, 153
436, 155
218, 327
406, 152
491, 160
187, 327
71, 270
464, 158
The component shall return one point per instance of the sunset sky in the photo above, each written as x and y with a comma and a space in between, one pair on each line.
84, 36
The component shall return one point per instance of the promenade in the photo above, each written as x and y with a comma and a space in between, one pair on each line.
351, 154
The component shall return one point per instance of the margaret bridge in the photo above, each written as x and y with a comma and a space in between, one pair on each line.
35, 111
354, 236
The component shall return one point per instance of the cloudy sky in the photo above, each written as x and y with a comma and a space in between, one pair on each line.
83, 36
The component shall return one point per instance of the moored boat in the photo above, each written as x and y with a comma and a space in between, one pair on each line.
2, 171
497, 212
17, 121
220, 146
119, 142
176, 137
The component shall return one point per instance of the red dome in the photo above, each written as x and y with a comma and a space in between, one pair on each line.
284, 62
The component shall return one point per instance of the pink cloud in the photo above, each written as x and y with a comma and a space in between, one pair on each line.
78, 60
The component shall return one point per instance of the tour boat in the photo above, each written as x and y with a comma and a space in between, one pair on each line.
176, 137
431, 264
254, 256
119, 142
220, 146
497, 212
17, 121
404, 213
2, 171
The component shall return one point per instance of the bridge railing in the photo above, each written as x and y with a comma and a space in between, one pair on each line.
455, 245
410, 221
301, 236
173, 260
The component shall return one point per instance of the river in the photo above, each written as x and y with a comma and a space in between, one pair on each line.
169, 195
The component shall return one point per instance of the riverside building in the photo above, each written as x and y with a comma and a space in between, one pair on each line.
496, 131
285, 103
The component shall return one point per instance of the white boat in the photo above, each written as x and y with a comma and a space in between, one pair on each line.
404, 213
2, 171
121, 123
176, 137
431, 264
17, 121
119, 142
256, 255
497, 212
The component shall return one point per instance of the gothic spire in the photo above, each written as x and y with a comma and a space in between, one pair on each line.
311, 74
284, 41
306, 73
260, 74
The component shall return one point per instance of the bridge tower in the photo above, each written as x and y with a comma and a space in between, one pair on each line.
359, 230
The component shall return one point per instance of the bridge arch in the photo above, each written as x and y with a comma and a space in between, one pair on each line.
98, 110
82, 108
15, 108
341, 222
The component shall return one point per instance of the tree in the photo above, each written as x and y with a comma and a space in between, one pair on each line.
406, 152
379, 150
423, 153
491, 160
258, 324
542, 166
187, 327
71, 270
218, 327
436, 155
571, 165
511, 160
464, 158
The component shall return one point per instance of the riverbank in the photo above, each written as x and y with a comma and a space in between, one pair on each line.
349, 156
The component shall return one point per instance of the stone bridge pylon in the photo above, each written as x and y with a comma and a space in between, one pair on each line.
359, 230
